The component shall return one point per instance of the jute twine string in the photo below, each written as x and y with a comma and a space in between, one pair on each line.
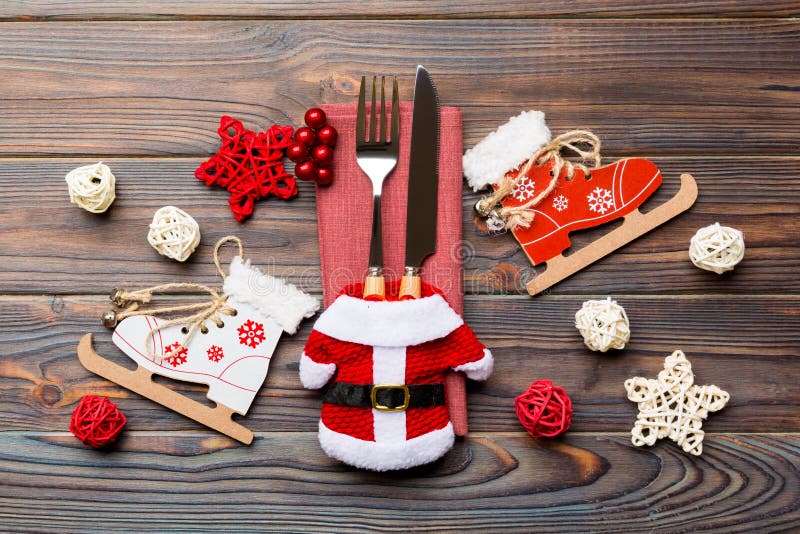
523, 215
202, 311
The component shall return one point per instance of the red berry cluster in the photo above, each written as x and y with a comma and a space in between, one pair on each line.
312, 150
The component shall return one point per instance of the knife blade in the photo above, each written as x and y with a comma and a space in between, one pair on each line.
423, 183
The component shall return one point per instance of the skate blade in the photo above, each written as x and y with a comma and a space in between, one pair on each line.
636, 224
141, 381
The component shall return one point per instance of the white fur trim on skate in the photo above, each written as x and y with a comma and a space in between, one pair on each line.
376, 323
314, 375
480, 369
505, 149
271, 296
382, 456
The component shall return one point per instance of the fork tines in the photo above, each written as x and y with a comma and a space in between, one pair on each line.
361, 120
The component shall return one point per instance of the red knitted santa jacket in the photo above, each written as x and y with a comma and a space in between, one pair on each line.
409, 342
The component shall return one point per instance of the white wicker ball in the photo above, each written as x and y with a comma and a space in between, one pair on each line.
92, 187
717, 248
174, 233
603, 325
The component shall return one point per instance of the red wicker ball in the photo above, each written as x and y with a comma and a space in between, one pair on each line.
96, 421
544, 409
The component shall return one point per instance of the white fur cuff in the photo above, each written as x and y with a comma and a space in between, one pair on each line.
381, 456
398, 323
314, 375
271, 296
505, 149
480, 369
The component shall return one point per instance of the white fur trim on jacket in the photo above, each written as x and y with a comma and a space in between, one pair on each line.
382, 456
314, 375
376, 322
480, 369
505, 149
271, 296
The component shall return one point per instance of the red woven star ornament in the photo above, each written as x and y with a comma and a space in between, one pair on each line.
249, 165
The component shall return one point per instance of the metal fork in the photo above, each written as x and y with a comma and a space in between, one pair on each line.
377, 157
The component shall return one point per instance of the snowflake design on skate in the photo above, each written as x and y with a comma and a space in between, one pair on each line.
523, 189
600, 200
175, 354
251, 333
560, 203
215, 353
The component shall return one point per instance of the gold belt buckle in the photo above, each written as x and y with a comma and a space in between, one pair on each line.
383, 408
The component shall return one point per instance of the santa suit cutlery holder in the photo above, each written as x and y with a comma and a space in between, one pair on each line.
385, 407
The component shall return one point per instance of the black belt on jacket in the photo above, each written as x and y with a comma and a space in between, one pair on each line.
387, 398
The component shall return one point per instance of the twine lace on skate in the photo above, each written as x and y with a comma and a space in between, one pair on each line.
523, 215
212, 310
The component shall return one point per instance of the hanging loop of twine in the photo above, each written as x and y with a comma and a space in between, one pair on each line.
195, 315
522, 215
226, 239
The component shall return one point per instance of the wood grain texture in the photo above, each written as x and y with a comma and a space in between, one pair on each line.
55, 247
711, 88
203, 482
125, 9
745, 345
158, 88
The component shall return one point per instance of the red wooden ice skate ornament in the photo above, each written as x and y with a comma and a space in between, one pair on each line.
548, 197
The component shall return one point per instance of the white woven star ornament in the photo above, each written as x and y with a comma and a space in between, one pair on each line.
673, 406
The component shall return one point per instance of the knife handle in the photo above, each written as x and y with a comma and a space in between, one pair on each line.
374, 285
410, 285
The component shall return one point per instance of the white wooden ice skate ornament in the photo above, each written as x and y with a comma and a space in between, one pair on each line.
226, 342
673, 406
541, 197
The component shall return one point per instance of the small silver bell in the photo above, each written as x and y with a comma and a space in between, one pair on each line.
494, 223
109, 319
481, 210
116, 296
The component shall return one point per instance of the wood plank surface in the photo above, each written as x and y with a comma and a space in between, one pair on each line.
720, 86
126, 9
282, 482
745, 345
54, 247
711, 88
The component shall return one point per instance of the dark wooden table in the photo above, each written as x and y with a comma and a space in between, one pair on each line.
711, 88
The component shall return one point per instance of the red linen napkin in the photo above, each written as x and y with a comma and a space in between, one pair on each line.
344, 213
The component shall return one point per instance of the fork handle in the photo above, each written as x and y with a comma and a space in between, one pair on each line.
376, 241
374, 283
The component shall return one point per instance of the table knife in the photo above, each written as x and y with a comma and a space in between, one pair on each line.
423, 183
